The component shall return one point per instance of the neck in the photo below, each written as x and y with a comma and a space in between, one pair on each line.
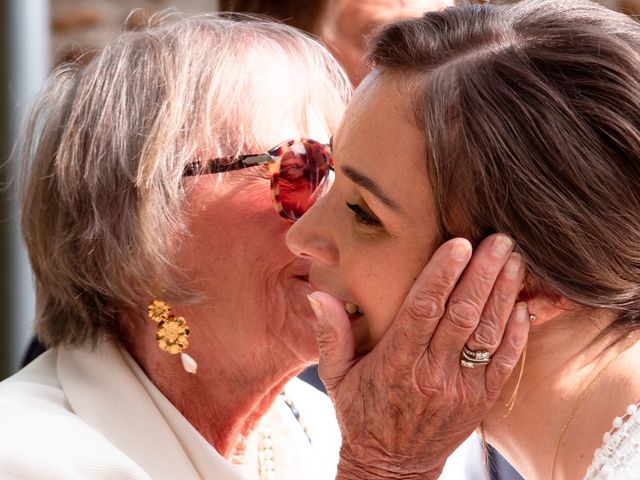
233, 388
568, 367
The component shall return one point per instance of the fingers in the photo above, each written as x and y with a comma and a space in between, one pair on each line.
468, 300
426, 302
335, 340
488, 335
506, 357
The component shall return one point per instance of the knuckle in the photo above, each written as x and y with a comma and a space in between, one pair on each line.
432, 391
514, 342
447, 276
426, 305
503, 296
326, 340
486, 274
431, 384
464, 314
327, 377
486, 336
406, 337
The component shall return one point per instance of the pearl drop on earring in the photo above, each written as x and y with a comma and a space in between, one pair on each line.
188, 363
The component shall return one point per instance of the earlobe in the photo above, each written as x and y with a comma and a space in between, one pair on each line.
544, 308
543, 303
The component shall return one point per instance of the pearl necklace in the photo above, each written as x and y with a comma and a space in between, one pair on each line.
266, 464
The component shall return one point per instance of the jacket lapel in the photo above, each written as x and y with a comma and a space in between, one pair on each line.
102, 390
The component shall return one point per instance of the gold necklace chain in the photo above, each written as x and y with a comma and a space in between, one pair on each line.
581, 399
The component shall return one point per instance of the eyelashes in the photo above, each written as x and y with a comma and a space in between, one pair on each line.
362, 216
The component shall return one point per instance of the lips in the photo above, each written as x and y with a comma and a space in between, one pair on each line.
352, 309
299, 269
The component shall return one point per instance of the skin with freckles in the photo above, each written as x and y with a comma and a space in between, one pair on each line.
370, 236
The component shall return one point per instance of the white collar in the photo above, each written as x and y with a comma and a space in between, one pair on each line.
110, 392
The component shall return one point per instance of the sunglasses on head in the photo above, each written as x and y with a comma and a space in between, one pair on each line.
299, 169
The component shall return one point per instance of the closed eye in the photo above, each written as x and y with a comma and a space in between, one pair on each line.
362, 216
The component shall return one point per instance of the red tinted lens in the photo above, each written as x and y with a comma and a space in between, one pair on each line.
303, 176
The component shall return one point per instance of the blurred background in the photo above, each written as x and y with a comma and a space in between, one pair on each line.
36, 36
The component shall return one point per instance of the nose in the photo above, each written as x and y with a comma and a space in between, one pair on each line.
311, 236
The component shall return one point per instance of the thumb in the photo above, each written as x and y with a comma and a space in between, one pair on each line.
335, 340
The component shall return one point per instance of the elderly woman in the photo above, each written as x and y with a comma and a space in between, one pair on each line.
176, 314
523, 120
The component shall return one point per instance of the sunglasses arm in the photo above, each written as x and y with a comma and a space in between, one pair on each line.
226, 164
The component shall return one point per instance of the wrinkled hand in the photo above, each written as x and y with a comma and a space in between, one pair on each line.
406, 405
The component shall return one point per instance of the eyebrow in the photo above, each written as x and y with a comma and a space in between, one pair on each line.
368, 184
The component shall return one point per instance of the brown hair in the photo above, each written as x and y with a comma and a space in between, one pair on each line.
531, 115
107, 142
303, 14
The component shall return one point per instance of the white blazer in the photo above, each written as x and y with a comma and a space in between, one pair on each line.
94, 414
81, 414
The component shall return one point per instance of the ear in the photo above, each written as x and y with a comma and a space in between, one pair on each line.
546, 307
544, 304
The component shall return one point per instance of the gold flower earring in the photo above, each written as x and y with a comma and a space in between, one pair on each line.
172, 333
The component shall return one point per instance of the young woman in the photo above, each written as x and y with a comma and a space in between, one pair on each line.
520, 119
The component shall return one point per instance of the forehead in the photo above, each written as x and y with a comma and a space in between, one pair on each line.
315, 127
378, 131
275, 101
381, 102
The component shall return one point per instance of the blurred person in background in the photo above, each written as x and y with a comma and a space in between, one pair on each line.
342, 24
176, 317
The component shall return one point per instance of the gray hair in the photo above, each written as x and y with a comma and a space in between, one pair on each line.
107, 142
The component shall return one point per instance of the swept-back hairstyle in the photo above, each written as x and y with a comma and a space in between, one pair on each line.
531, 117
107, 142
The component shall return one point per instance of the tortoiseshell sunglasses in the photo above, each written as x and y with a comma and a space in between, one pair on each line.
300, 173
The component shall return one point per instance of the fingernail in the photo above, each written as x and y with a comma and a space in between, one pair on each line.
513, 265
522, 312
460, 249
316, 306
501, 246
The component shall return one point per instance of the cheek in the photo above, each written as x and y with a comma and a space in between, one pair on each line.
230, 232
382, 282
